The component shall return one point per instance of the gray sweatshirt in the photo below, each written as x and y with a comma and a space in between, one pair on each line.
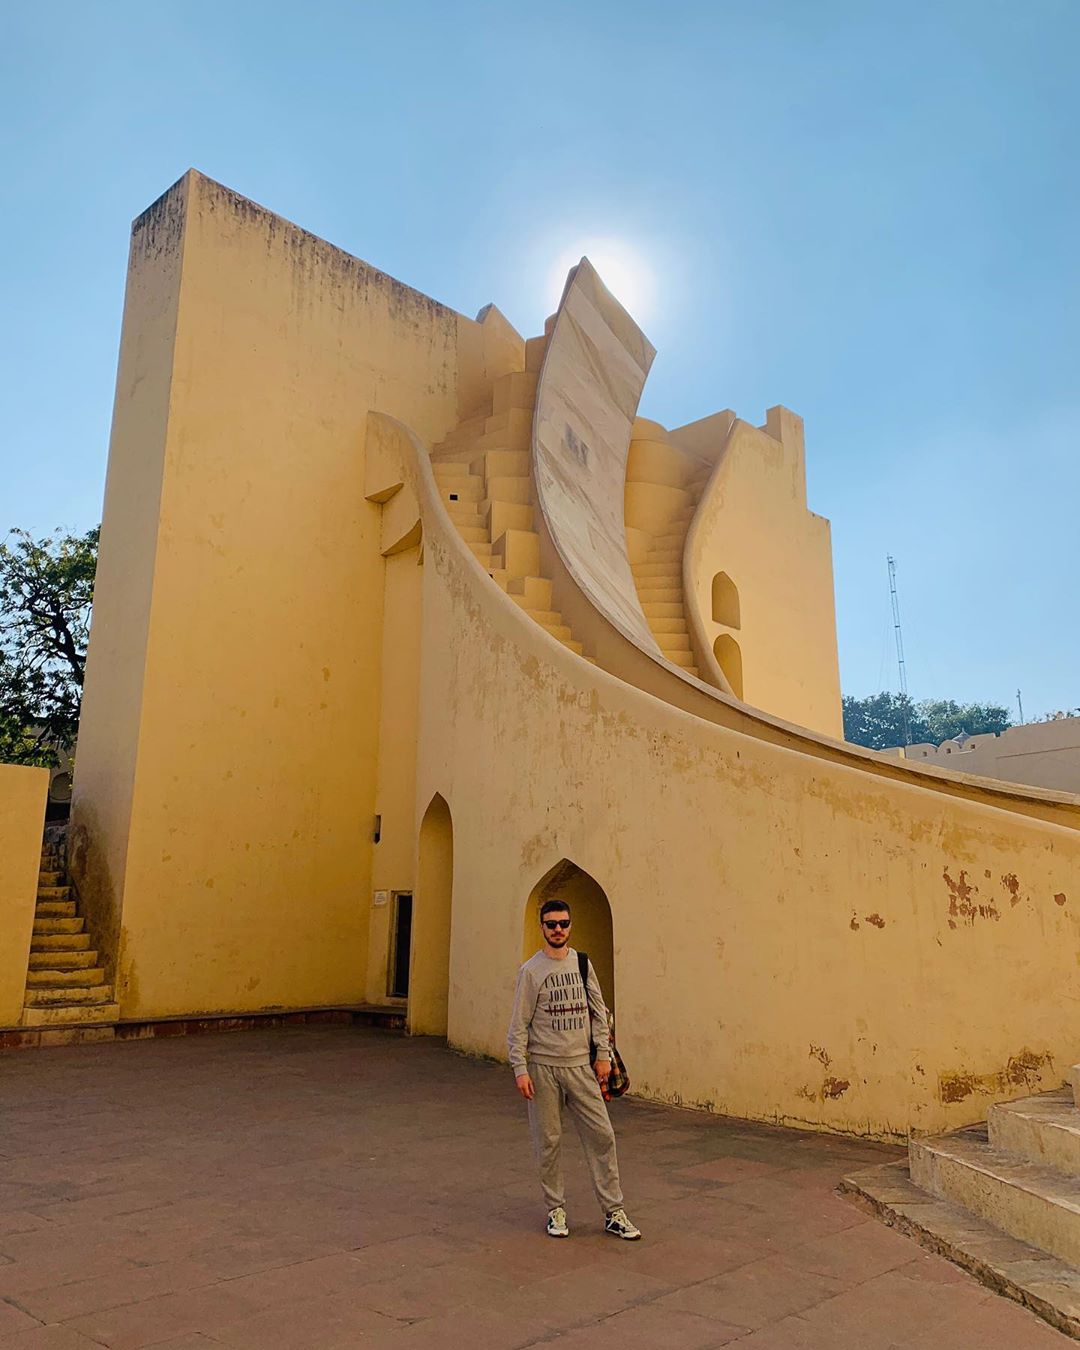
551, 1020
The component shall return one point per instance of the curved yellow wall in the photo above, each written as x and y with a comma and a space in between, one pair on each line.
793, 941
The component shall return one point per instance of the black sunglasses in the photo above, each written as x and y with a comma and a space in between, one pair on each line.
556, 923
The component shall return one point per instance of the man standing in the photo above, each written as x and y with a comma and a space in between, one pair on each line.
553, 1021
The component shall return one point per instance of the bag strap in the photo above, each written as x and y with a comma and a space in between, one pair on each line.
583, 971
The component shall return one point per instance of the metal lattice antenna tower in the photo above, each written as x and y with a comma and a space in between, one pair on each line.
899, 646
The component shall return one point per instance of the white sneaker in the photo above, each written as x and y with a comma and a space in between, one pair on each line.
556, 1224
619, 1225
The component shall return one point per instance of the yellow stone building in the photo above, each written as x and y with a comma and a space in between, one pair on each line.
405, 622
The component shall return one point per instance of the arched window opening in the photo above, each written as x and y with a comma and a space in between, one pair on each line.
592, 929
429, 961
729, 658
725, 601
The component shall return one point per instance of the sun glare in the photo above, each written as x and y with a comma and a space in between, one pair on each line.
622, 270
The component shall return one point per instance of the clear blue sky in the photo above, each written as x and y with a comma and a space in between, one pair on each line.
866, 212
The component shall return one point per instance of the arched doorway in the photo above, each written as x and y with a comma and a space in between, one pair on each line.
592, 930
429, 962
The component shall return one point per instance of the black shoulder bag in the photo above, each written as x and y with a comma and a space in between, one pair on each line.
619, 1079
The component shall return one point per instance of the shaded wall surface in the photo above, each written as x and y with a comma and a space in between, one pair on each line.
227, 776
22, 818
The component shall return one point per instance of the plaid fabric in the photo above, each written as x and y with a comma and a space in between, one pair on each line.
619, 1081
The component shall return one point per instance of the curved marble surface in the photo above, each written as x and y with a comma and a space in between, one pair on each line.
594, 370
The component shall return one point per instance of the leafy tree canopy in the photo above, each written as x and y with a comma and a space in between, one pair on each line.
883, 720
46, 592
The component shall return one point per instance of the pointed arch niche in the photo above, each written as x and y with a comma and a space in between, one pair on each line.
429, 968
729, 658
725, 601
592, 931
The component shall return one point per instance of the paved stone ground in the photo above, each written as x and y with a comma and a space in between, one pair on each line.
327, 1187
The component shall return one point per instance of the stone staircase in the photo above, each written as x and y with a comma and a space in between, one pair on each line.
659, 580
1001, 1199
1020, 1171
65, 983
483, 471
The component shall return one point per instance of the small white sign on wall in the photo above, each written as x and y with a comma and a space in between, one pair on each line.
382, 897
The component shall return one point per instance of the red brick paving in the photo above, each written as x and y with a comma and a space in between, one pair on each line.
312, 1188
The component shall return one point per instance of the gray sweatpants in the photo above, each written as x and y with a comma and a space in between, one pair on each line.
579, 1091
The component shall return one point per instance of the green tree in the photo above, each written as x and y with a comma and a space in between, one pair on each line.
883, 720
945, 719
46, 593
879, 720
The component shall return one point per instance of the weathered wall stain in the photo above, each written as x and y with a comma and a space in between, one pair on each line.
876, 920
1023, 1070
1059, 898
963, 905
1012, 884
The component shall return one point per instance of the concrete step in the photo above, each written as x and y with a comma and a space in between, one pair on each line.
672, 557
510, 488
1043, 1130
56, 978
55, 909
58, 942
482, 553
663, 609
532, 592
502, 516
465, 497
500, 576
543, 616
47, 998
652, 568
56, 927
514, 391
557, 630
666, 623
660, 595
50, 878
54, 893
71, 1015
502, 464
514, 436
1035, 1204
467, 518
474, 534
675, 642
574, 646
678, 658
465, 430
55, 959
518, 551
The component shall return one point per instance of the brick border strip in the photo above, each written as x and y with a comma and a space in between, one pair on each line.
26, 1038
